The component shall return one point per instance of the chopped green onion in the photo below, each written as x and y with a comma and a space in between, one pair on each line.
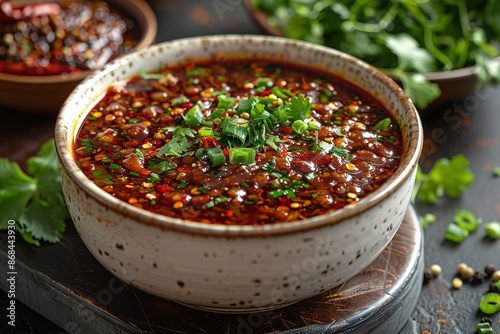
245, 184
194, 116
225, 102
314, 195
217, 114
277, 193
115, 166
198, 71
205, 132
245, 105
221, 199
382, 125
117, 155
490, 303
496, 172
182, 184
427, 219
282, 192
135, 174
85, 142
290, 192
210, 204
242, 156
484, 328
271, 140
264, 82
466, 220
139, 153
97, 173
215, 155
299, 126
106, 160
455, 233
203, 189
310, 176
234, 133
282, 93
269, 166
179, 100
313, 126
492, 230
276, 175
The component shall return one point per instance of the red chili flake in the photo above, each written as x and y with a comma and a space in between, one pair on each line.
287, 131
184, 168
187, 105
167, 119
265, 93
207, 142
229, 213
164, 189
144, 172
283, 200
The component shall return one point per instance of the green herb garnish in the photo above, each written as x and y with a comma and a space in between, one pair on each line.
34, 199
405, 38
448, 176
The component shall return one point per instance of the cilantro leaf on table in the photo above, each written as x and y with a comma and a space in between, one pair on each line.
34, 201
447, 176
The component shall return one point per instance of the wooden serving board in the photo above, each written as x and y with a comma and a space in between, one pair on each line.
64, 283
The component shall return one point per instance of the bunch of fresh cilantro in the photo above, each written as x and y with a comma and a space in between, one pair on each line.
405, 38
34, 200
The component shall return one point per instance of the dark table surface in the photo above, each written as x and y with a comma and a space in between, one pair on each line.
471, 126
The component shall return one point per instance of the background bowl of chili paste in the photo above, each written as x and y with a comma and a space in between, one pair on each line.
41, 62
237, 268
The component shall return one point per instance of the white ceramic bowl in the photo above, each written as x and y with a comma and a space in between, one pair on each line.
237, 268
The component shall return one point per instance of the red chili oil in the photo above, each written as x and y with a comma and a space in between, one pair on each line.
82, 35
238, 142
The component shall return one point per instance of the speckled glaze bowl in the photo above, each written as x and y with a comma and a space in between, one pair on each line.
237, 268
45, 94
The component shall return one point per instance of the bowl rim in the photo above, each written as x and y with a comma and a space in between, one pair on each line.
147, 22
64, 134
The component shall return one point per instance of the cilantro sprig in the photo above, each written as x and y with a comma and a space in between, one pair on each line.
447, 176
34, 199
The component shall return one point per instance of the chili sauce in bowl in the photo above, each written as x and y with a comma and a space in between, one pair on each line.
243, 142
206, 170
81, 35
47, 48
